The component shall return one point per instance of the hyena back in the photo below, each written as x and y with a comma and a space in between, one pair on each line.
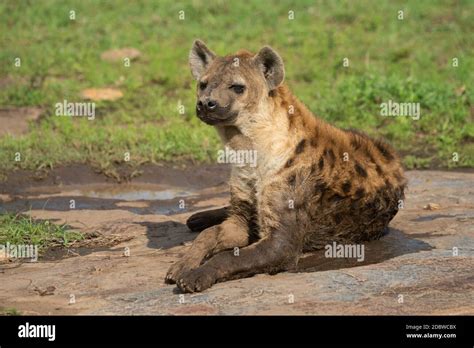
314, 184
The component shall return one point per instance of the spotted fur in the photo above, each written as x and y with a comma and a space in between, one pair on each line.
314, 184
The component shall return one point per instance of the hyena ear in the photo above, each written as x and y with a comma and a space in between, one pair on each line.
271, 65
199, 58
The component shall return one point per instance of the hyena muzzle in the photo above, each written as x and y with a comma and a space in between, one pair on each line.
314, 184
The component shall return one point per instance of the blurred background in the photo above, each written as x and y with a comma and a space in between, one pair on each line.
130, 58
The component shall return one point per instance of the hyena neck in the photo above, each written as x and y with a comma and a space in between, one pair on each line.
277, 126
232, 137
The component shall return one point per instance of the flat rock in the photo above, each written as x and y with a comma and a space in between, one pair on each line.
424, 265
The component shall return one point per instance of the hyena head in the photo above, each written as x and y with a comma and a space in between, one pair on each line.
234, 89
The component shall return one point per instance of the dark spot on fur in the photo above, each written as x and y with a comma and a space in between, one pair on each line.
330, 155
337, 218
272, 93
250, 185
384, 150
336, 198
289, 163
313, 168
360, 192
321, 163
346, 187
292, 180
320, 186
300, 147
379, 170
361, 171
313, 142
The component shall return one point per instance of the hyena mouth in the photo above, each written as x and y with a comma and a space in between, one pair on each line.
218, 116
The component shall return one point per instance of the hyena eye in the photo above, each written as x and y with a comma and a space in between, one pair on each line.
239, 89
202, 85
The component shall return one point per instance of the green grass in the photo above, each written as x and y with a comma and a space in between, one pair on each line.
405, 61
9, 312
18, 229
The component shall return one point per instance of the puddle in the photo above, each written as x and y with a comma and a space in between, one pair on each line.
132, 193
136, 198
125, 192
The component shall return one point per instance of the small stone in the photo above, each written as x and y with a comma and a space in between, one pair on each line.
98, 94
432, 206
5, 198
45, 292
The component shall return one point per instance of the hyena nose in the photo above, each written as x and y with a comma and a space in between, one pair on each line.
211, 104
207, 105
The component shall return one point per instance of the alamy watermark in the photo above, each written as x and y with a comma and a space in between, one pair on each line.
356, 251
237, 157
21, 251
28, 330
83, 109
391, 108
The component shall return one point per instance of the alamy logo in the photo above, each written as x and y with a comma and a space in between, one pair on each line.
350, 251
75, 109
21, 251
37, 331
391, 108
237, 157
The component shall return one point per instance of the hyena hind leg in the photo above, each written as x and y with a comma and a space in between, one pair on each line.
200, 221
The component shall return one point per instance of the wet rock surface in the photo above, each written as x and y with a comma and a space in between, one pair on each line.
424, 265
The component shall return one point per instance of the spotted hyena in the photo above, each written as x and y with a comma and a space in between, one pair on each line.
314, 184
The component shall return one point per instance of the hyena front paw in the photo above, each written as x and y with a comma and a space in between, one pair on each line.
179, 268
197, 280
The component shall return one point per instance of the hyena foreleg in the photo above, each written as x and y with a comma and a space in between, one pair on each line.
230, 234
268, 255
277, 251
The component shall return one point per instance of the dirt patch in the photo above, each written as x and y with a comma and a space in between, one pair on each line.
15, 120
6, 81
136, 230
184, 175
118, 55
98, 94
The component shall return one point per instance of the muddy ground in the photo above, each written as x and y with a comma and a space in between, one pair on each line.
424, 265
